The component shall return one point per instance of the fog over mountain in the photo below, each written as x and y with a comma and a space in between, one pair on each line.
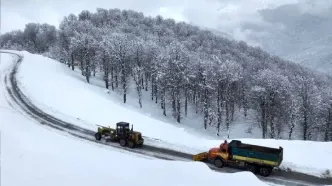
301, 32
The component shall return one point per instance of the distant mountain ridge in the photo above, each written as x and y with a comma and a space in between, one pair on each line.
299, 32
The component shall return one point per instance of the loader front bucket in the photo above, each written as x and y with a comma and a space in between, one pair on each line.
201, 156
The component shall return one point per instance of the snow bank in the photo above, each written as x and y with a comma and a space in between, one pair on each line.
37, 155
65, 94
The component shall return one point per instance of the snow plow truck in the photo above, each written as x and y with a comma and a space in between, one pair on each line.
254, 158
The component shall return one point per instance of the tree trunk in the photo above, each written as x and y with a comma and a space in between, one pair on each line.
178, 107
112, 77
218, 109
116, 80
305, 125
106, 80
328, 134
164, 102
186, 103
245, 107
232, 109
162, 99
142, 81
94, 71
72, 61
263, 119
82, 67
196, 103
227, 115
330, 122
140, 98
146, 83
291, 127
206, 111
155, 90
87, 69
124, 81
272, 133
194, 96
173, 102
152, 84
106, 73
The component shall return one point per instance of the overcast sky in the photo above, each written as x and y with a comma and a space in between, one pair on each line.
230, 16
226, 14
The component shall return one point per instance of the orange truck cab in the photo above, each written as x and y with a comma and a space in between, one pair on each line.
221, 152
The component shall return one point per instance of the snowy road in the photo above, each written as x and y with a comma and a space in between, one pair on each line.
18, 98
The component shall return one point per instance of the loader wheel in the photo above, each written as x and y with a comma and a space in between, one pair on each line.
218, 163
123, 142
98, 136
131, 144
112, 138
265, 171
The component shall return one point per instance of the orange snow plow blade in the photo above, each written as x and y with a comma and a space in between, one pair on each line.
201, 156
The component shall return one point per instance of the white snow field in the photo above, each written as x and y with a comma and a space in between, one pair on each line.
32, 154
65, 94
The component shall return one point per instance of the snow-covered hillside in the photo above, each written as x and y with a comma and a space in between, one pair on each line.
36, 155
63, 93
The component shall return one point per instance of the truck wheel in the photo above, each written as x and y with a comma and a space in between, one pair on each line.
218, 163
265, 171
131, 144
252, 168
123, 142
98, 136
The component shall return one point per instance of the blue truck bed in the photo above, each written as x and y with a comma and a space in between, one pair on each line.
255, 154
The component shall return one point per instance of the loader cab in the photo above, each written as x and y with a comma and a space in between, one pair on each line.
128, 136
122, 128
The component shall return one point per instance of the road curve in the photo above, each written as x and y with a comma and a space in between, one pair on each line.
18, 98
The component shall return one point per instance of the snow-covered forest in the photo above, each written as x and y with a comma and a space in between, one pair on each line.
186, 67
